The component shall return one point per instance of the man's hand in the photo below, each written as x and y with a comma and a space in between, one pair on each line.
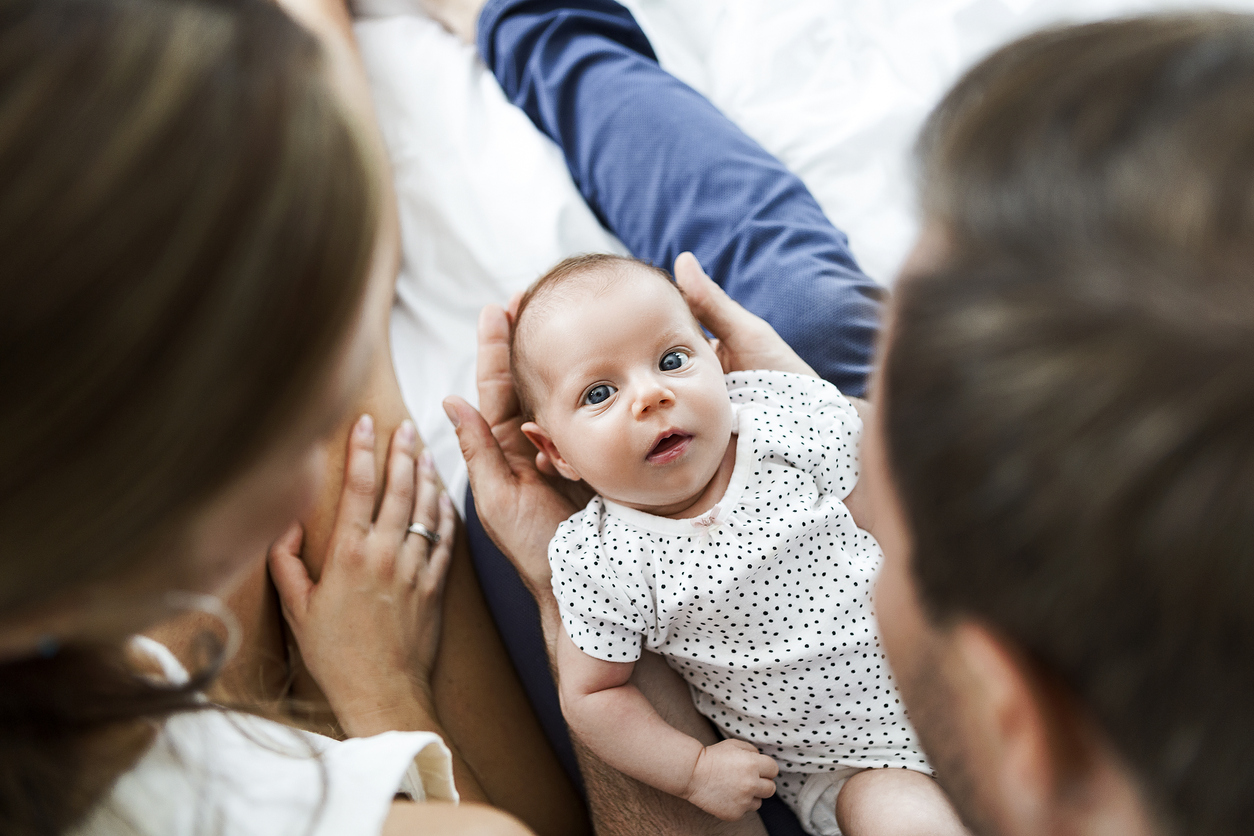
745, 341
730, 779
519, 507
519, 498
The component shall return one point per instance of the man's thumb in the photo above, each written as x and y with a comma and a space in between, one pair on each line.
706, 299
484, 459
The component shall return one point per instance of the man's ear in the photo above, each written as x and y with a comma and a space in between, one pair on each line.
538, 436
1051, 764
1009, 720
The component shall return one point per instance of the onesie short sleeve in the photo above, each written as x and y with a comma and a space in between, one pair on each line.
600, 603
813, 427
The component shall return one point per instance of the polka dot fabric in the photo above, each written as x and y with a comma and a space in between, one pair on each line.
764, 605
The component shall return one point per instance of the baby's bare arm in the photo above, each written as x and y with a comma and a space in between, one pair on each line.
620, 726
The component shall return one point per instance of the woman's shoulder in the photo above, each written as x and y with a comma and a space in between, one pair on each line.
247, 775
231, 773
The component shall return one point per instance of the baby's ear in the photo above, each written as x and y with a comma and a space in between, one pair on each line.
538, 436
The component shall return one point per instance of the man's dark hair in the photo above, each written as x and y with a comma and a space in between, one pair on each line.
1070, 397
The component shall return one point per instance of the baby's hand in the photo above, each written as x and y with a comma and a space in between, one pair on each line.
730, 779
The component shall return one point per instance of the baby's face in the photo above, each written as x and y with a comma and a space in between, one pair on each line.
630, 393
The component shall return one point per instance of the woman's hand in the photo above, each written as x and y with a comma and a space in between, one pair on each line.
745, 341
368, 630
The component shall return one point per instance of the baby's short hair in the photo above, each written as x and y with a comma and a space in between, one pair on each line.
547, 288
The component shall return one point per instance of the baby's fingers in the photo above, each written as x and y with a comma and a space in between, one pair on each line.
734, 743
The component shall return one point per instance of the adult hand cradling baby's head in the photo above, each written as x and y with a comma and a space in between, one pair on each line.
743, 341
516, 488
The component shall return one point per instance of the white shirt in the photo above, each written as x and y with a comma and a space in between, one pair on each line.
764, 603
232, 774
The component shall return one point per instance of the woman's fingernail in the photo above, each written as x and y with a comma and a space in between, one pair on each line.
452, 414
445, 502
405, 434
425, 461
364, 428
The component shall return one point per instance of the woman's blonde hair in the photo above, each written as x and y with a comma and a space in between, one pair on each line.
186, 223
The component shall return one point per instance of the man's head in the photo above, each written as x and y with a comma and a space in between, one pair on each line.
620, 384
1068, 416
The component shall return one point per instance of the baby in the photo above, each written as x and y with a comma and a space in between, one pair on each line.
721, 539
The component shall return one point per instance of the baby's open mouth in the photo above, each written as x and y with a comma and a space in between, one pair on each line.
669, 447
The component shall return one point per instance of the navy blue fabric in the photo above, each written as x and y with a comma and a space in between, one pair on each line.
666, 172
518, 619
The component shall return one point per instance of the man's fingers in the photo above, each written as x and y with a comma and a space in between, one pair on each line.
357, 497
745, 340
291, 578
489, 472
512, 307
398, 496
545, 466
496, 385
765, 789
709, 304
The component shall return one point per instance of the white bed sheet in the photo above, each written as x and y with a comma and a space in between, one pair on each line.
837, 89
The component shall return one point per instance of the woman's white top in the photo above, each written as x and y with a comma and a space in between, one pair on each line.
763, 604
230, 774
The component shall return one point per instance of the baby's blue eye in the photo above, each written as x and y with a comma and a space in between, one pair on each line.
673, 360
598, 394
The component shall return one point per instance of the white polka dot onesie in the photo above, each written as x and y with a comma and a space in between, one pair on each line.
762, 604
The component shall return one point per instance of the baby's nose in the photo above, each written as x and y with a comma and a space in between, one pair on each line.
651, 397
